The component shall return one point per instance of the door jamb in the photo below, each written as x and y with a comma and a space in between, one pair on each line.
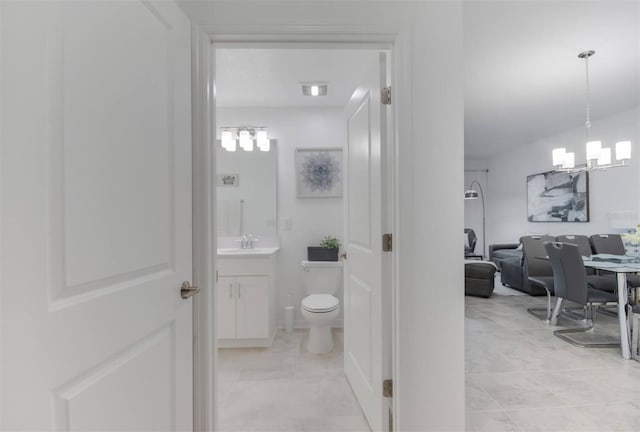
393, 38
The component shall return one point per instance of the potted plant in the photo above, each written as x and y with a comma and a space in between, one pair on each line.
327, 251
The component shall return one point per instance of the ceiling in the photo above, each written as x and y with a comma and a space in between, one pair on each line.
523, 80
274, 77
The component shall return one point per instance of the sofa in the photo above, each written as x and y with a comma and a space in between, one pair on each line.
523, 265
502, 251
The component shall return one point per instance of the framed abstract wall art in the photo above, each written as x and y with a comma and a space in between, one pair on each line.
557, 196
318, 172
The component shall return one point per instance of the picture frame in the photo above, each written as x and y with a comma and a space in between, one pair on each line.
318, 172
558, 196
228, 180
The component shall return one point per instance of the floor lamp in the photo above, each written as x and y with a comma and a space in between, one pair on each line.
471, 194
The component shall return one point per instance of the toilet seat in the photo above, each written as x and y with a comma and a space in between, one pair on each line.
320, 303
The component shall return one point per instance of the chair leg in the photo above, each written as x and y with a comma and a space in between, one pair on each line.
556, 311
547, 318
635, 336
561, 334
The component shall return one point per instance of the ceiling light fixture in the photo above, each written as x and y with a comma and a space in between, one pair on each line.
598, 158
245, 136
314, 88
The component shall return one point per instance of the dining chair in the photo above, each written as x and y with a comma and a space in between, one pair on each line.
571, 284
612, 244
634, 318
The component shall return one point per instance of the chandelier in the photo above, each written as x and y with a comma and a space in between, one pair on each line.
598, 158
245, 137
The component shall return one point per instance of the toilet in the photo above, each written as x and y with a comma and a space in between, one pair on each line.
321, 281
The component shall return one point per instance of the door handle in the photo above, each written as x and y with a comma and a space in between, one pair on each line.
186, 290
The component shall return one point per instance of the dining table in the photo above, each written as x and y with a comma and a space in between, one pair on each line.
621, 268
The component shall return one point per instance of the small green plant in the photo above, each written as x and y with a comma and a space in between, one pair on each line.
330, 242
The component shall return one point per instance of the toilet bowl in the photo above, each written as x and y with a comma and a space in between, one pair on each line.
321, 280
320, 311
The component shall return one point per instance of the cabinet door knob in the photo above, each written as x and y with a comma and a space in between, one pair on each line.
186, 290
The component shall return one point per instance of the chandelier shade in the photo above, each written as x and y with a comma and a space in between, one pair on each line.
597, 157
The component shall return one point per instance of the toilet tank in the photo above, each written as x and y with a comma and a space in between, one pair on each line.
321, 277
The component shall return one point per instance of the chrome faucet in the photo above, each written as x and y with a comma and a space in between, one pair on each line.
247, 241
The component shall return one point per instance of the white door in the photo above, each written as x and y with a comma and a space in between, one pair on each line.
95, 216
363, 307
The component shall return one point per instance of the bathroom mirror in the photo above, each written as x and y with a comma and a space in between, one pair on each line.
246, 192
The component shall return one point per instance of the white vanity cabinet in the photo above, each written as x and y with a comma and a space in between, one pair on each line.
245, 300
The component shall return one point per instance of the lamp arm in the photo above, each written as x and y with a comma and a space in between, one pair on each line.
484, 229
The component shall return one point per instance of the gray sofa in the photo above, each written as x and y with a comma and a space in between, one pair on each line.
502, 251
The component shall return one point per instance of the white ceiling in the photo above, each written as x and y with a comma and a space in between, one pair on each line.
273, 77
523, 80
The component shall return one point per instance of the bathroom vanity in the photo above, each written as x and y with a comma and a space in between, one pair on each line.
246, 297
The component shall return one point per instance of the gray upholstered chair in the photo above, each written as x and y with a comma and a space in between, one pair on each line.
571, 283
608, 283
634, 317
516, 273
612, 244
607, 243
470, 244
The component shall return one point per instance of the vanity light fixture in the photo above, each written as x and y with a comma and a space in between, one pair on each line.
598, 158
245, 137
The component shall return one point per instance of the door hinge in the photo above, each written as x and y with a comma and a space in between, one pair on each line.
387, 388
385, 95
387, 242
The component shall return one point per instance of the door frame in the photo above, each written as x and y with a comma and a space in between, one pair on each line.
394, 39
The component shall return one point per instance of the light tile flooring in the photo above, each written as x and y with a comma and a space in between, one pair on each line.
519, 377
285, 388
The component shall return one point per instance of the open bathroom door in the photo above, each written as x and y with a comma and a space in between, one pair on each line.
364, 343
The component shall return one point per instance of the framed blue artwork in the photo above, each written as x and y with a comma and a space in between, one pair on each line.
318, 172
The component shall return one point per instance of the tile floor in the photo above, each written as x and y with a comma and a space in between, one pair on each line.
519, 377
285, 388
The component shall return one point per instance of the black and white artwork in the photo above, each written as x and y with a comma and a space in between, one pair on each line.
319, 172
556, 196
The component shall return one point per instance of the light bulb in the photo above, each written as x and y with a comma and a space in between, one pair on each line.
227, 140
245, 140
605, 156
262, 140
593, 150
623, 150
315, 90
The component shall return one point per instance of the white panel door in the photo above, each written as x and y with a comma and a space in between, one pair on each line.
252, 320
96, 216
363, 349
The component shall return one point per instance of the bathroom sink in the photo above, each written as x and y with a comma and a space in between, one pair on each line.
247, 252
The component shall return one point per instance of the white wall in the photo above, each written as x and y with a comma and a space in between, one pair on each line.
310, 219
613, 190
428, 107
